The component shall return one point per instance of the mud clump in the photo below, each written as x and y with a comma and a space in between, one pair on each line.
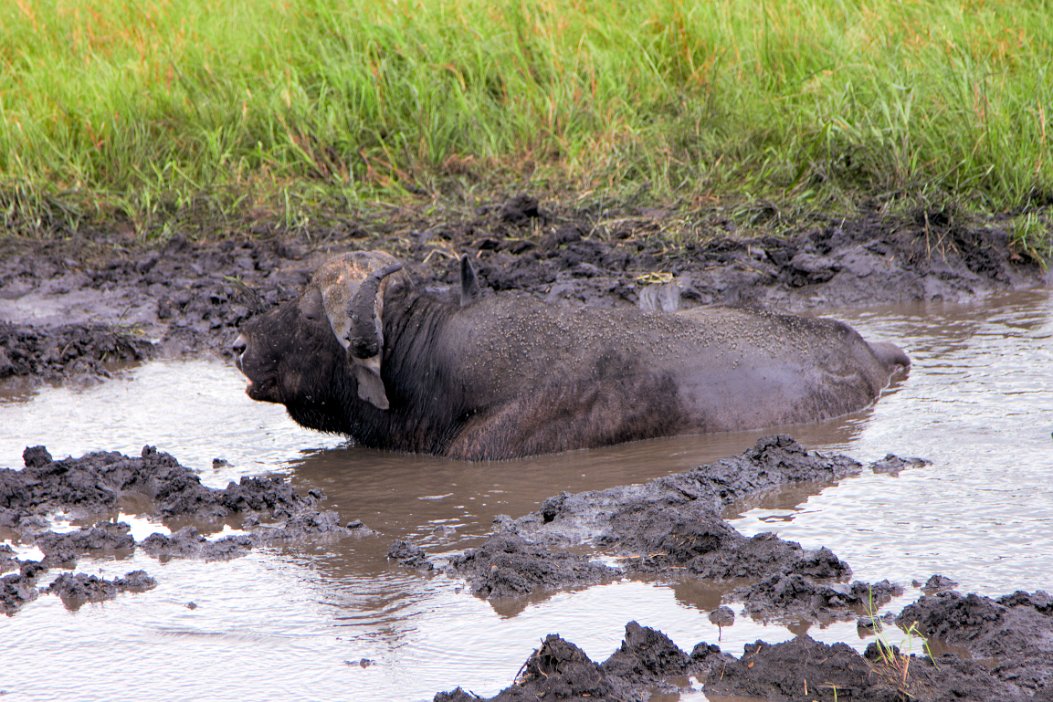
8, 561
799, 669
17, 590
97, 482
1013, 631
620, 518
647, 657
803, 668
265, 495
75, 589
893, 464
559, 670
306, 524
672, 528
101, 483
519, 209
509, 566
693, 538
936, 584
793, 596
86, 350
722, 616
63, 548
409, 554
189, 543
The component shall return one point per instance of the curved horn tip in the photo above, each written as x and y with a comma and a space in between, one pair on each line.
388, 270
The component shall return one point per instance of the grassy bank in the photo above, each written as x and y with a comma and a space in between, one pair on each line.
148, 111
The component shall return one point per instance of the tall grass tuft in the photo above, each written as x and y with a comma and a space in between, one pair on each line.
148, 110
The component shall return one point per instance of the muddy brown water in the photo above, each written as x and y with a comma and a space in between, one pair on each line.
337, 621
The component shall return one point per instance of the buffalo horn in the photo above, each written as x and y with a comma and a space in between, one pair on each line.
364, 335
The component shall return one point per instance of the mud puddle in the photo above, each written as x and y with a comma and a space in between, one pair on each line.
345, 623
979, 405
196, 410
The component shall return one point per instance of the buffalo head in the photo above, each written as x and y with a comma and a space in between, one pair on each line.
310, 346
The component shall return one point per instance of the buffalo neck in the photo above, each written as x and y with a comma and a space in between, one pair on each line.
426, 403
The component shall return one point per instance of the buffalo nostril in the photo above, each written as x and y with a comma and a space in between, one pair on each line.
239, 345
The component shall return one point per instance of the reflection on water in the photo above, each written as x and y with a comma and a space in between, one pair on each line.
339, 621
427, 497
979, 405
196, 411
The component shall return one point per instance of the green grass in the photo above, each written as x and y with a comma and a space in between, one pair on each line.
891, 661
148, 111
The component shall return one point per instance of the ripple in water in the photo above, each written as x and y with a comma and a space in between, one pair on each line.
339, 621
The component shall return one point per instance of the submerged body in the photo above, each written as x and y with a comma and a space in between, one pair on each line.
509, 375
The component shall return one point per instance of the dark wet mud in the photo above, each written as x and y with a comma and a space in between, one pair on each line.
70, 312
76, 589
1012, 634
100, 485
800, 669
81, 308
672, 528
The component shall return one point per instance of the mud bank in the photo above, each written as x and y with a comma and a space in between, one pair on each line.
672, 528
80, 308
96, 488
69, 312
801, 669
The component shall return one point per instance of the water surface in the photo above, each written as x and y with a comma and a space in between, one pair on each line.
340, 622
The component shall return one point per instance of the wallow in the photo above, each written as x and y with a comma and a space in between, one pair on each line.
366, 352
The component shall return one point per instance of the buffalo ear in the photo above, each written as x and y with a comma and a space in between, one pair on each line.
469, 282
370, 385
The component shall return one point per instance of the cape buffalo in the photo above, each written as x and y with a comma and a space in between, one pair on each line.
367, 353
